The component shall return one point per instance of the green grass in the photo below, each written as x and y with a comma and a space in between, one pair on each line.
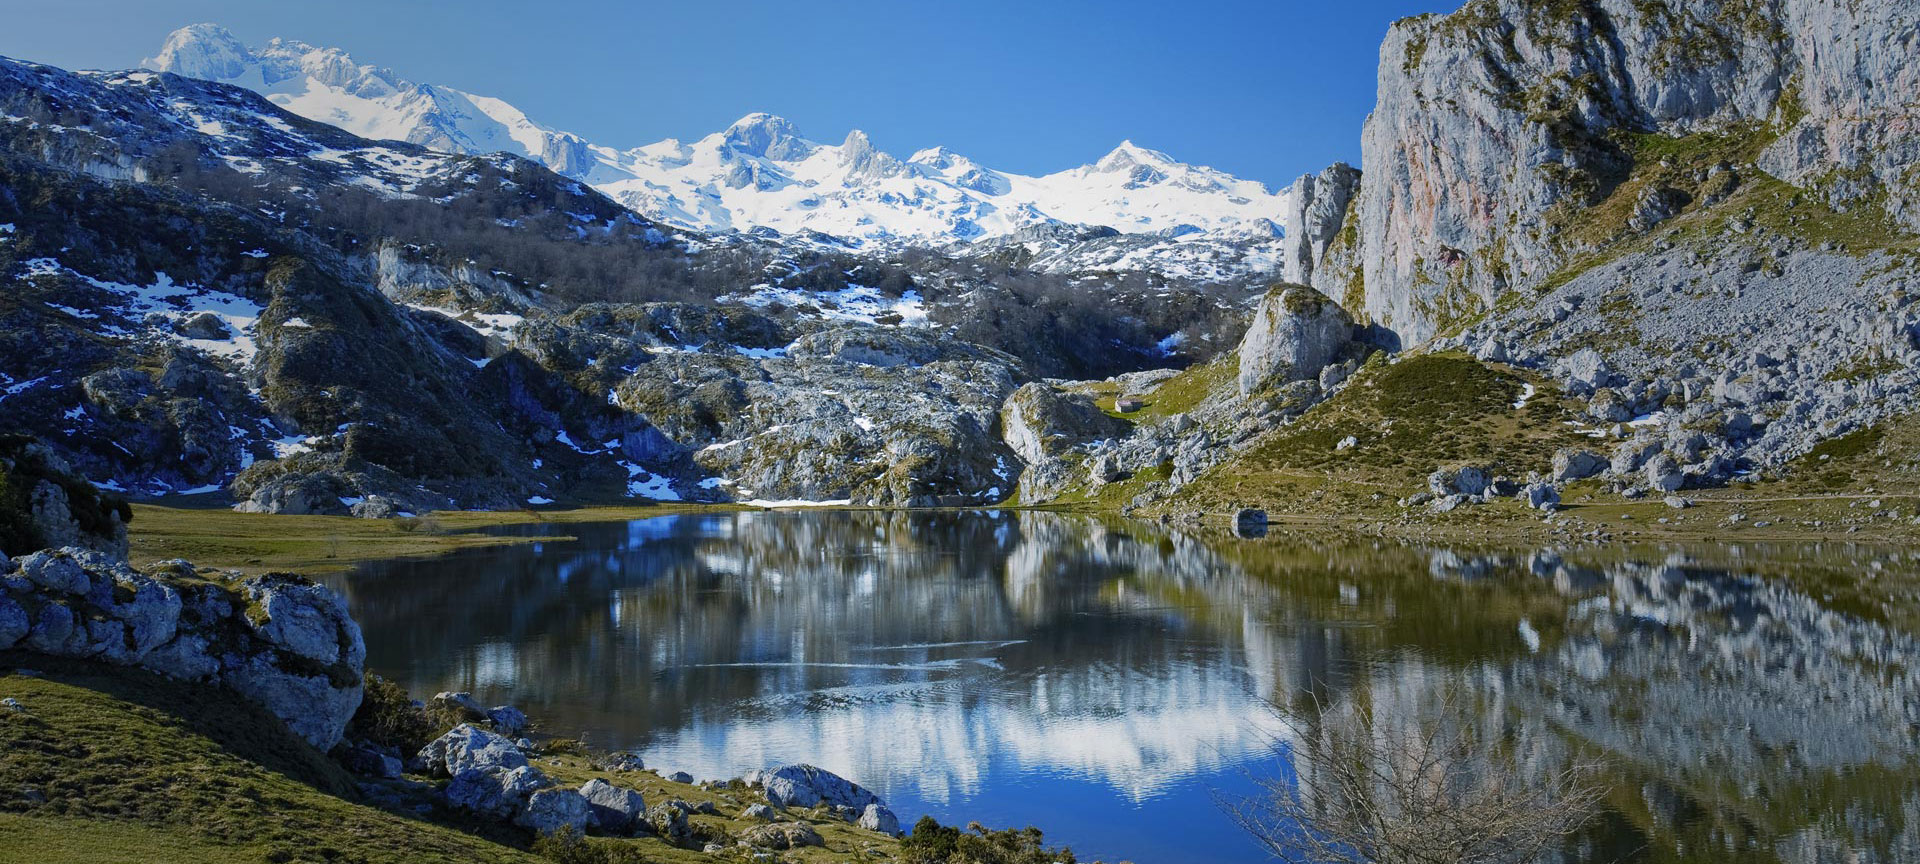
1408, 418
1185, 391
136, 767
259, 542
133, 766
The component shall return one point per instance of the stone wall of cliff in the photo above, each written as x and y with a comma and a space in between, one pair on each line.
1502, 128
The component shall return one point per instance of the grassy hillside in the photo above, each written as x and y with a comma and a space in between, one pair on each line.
105, 764
1406, 419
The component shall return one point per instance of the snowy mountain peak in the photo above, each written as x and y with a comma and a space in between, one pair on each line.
206, 51
761, 172
768, 136
1129, 156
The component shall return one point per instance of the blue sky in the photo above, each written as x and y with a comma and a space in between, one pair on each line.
1266, 90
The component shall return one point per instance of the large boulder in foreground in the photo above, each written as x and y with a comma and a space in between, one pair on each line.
1295, 333
278, 640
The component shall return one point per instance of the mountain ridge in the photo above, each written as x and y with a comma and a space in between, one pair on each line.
760, 172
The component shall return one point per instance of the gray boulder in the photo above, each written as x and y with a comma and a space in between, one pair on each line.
806, 786
282, 642
1663, 474
550, 810
615, 810
782, 835
1542, 496
1295, 333
1574, 464
507, 720
496, 793
876, 817
761, 812
13, 622
1464, 480
466, 747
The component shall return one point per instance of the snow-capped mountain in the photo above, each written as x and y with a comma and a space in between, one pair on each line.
761, 172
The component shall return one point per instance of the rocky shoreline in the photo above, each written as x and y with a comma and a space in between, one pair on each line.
289, 646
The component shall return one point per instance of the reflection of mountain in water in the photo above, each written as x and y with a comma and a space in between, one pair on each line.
946, 655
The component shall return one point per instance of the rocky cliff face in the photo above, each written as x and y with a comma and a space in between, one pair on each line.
1316, 211
1500, 125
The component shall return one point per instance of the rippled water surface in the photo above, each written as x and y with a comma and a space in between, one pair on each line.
1108, 681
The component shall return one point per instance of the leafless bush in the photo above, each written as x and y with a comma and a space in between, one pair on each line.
1448, 786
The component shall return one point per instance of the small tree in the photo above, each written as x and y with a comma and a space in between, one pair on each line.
1445, 787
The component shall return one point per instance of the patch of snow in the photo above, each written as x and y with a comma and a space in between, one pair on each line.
297, 322
539, 499
1526, 395
255, 253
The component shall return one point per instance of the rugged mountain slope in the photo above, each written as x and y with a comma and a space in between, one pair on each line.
1665, 244
1512, 137
762, 173
206, 291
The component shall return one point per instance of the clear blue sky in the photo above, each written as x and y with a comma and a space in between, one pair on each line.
1266, 90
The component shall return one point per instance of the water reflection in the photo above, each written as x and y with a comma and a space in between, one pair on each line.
1078, 674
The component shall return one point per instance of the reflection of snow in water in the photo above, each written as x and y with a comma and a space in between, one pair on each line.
1138, 732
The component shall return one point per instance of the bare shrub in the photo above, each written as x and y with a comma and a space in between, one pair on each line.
1447, 785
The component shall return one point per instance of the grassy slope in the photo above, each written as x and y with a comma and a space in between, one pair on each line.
256, 542
1430, 411
1407, 418
133, 766
136, 767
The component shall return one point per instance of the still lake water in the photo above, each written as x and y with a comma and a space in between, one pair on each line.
1108, 680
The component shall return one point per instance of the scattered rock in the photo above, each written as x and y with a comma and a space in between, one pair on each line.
782, 835
507, 720
761, 812
876, 817
1250, 523
615, 810
805, 786
550, 810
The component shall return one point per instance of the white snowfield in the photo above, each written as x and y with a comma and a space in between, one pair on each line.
759, 172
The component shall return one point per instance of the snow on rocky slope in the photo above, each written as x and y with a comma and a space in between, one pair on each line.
761, 172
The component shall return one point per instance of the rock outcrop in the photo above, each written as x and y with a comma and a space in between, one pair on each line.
1295, 333
278, 640
807, 786
1317, 211
1499, 124
1049, 429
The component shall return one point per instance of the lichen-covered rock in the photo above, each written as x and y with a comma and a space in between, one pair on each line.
1295, 333
782, 835
669, 822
